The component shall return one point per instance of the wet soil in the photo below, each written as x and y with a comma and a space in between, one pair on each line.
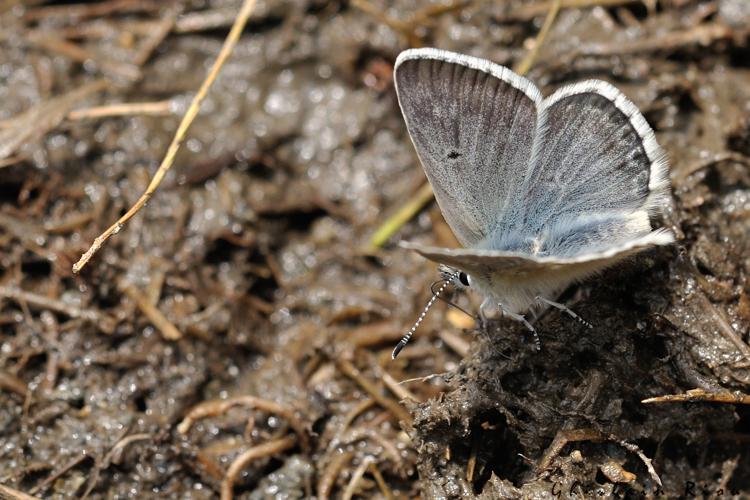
278, 382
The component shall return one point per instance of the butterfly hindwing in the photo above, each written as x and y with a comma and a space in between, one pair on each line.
594, 153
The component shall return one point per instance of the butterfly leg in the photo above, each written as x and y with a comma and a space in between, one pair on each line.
564, 309
487, 311
522, 319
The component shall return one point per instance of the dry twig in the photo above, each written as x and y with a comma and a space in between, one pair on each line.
472, 463
701, 35
397, 389
115, 454
525, 65
455, 342
77, 53
564, 437
360, 408
384, 489
187, 120
351, 488
218, 407
695, 395
37, 121
61, 471
155, 37
402, 216
725, 156
245, 458
532, 10
719, 316
353, 373
14, 384
84, 10
105, 323
403, 27
367, 434
159, 108
328, 478
8, 493
429, 11
154, 315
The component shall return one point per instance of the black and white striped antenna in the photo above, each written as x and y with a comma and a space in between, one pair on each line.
407, 336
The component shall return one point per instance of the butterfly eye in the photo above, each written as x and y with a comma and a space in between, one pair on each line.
463, 278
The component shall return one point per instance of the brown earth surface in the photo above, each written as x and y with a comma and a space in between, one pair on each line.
235, 335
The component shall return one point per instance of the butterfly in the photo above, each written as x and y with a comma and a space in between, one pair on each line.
541, 192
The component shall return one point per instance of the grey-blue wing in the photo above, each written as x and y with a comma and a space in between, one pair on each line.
472, 123
594, 154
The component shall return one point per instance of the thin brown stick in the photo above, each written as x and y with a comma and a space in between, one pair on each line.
357, 475
38, 120
426, 378
702, 35
530, 11
155, 37
360, 408
403, 215
210, 19
105, 323
425, 13
61, 471
564, 437
84, 10
154, 315
208, 466
368, 434
99, 465
695, 395
247, 457
12, 160
70, 224
226, 50
727, 156
371, 334
727, 471
561, 439
397, 389
8, 493
159, 108
325, 485
525, 65
403, 27
115, 454
646, 461
353, 373
471, 465
9, 382
384, 489
720, 319
191, 22
218, 407
452, 340
79, 54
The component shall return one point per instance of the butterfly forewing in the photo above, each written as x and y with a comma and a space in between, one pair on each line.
473, 124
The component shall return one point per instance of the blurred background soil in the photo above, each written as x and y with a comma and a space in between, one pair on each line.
234, 338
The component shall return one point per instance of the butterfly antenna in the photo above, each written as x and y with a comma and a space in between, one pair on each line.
452, 304
407, 337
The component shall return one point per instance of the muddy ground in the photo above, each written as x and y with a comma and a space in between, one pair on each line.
235, 336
